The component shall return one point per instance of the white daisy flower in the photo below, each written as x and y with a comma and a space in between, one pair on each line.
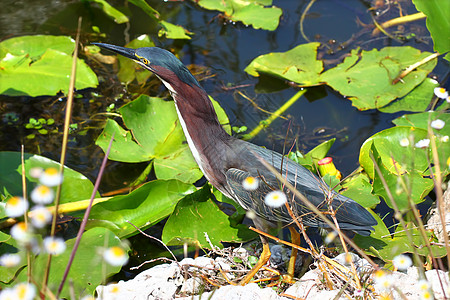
8, 294
383, 280
20, 232
448, 99
42, 194
402, 262
10, 260
275, 199
40, 216
54, 245
16, 207
404, 142
113, 289
437, 124
424, 285
250, 214
25, 291
426, 295
250, 183
423, 143
115, 256
440, 92
51, 177
36, 172
330, 237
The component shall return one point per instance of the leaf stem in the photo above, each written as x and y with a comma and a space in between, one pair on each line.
265, 123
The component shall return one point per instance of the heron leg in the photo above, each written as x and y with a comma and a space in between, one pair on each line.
263, 259
295, 238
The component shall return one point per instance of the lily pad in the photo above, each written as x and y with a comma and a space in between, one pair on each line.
204, 217
396, 158
366, 77
417, 100
386, 246
421, 120
250, 12
75, 186
360, 190
143, 207
299, 65
405, 186
41, 69
111, 12
172, 31
88, 269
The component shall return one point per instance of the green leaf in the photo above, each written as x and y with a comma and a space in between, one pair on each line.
203, 216
172, 31
49, 74
249, 12
88, 269
143, 207
35, 45
393, 156
150, 11
9, 246
366, 78
360, 190
417, 100
438, 22
386, 246
111, 12
298, 65
403, 186
75, 186
421, 120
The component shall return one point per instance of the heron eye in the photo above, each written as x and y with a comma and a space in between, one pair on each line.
145, 61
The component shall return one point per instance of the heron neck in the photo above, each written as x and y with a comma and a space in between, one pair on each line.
205, 135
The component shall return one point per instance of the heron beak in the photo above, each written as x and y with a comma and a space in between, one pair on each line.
127, 52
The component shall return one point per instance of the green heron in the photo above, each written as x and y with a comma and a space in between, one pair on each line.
227, 161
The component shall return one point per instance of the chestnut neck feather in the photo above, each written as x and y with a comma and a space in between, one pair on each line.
207, 139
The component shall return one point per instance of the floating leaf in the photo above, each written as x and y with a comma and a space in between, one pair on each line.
393, 156
360, 190
172, 31
110, 11
150, 11
366, 77
421, 120
88, 269
417, 100
41, 69
75, 185
203, 216
143, 207
386, 246
404, 185
254, 13
299, 65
